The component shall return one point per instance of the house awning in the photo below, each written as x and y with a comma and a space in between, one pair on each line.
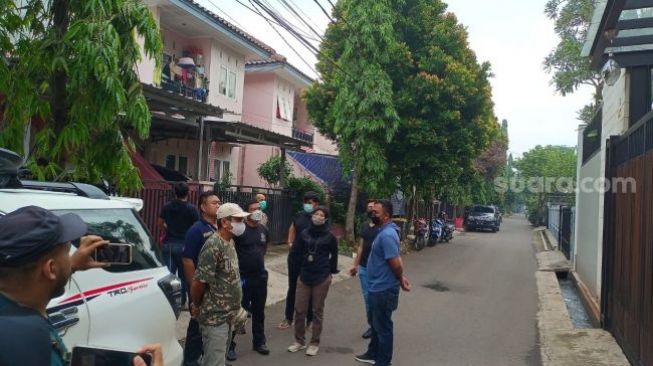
623, 28
243, 133
325, 168
176, 116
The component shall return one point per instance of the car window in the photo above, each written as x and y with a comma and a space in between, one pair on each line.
121, 226
483, 209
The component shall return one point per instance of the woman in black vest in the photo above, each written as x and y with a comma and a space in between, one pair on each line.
319, 250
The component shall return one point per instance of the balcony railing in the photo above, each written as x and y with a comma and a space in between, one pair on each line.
198, 94
303, 136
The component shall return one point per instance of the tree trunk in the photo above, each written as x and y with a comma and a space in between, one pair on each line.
350, 236
59, 107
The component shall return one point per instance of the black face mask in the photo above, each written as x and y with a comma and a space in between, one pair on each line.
376, 220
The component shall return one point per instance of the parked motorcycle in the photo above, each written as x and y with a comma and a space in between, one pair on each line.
436, 232
447, 231
421, 233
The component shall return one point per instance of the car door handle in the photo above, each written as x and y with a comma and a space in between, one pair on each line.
64, 319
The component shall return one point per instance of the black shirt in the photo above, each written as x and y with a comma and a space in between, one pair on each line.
251, 248
368, 235
302, 221
319, 254
27, 338
178, 216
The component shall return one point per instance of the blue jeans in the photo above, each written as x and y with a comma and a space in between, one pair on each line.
173, 251
382, 304
362, 275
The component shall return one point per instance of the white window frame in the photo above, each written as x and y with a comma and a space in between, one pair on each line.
223, 81
231, 86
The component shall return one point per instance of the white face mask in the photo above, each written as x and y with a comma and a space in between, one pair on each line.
238, 228
256, 215
318, 221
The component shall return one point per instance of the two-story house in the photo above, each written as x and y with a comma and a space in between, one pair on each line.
196, 97
273, 101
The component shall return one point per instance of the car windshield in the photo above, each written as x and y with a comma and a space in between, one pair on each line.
121, 226
482, 209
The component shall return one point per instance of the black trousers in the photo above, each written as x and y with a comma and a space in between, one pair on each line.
294, 268
193, 346
255, 293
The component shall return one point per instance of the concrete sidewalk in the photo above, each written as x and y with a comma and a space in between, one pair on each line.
560, 343
275, 262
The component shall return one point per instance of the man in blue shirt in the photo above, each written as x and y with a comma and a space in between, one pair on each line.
193, 243
385, 274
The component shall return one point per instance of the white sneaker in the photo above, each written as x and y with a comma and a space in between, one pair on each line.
296, 347
312, 350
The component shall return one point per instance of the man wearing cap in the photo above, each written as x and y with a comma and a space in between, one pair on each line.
301, 222
35, 267
216, 293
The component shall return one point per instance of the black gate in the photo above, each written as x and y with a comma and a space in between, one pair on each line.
565, 231
627, 282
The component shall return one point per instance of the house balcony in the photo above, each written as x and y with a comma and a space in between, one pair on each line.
186, 74
302, 136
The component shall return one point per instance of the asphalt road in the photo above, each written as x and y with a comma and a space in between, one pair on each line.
473, 303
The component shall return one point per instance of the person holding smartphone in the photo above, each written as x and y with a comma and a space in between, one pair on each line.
35, 267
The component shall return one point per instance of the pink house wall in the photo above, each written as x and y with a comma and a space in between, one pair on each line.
258, 100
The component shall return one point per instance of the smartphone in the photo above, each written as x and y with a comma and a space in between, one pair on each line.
91, 356
114, 253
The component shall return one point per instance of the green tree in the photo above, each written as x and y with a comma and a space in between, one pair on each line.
354, 101
272, 170
542, 164
568, 68
69, 66
443, 97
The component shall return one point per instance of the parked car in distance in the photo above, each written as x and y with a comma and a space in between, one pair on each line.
483, 217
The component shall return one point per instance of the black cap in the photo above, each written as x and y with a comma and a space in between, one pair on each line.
310, 195
31, 231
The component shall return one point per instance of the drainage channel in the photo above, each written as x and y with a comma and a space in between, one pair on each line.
577, 312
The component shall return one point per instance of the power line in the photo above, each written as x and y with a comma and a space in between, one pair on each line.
324, 11
289, 28
270, 20
292, 10
225, 14
303, 13
285, 40
285, 24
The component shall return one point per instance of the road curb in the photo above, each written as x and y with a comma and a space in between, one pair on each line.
560, 343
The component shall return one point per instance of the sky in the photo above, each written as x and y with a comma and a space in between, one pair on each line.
513, 35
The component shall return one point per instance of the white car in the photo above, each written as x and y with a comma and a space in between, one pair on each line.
120, 307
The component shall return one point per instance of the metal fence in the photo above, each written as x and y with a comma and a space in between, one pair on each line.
156, 194
560, 222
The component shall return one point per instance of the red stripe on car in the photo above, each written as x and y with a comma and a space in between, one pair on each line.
104, 289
